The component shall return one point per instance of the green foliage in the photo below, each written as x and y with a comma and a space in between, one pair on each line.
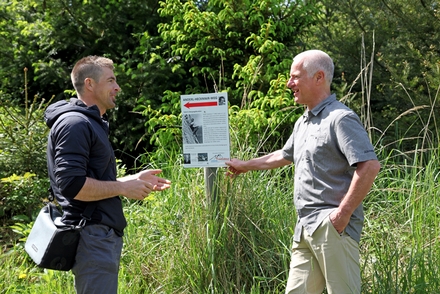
244, 48
229, 45
22, 195
23, 136
29, 41
48, 37
402, 212
166, 48
23, 166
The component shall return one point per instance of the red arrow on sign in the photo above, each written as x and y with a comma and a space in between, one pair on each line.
200, 104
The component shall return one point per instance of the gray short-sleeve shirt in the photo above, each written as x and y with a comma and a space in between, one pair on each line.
325, 146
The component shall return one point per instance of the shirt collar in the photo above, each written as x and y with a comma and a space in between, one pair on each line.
318, 108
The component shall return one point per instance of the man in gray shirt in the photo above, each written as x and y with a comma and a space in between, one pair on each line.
335, 166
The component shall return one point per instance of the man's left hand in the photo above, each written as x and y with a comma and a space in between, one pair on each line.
150, 176
339, 220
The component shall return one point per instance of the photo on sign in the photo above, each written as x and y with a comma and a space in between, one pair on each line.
192, 129
202, 156
186, 158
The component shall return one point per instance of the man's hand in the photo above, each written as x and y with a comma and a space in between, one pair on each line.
339, 220
139, 185
137, 189
158, 183
361, 183
235, 167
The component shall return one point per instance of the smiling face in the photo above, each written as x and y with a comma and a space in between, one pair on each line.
310, 77
105, 90
301, 83
95, 82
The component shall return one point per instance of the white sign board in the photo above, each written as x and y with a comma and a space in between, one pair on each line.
205, 130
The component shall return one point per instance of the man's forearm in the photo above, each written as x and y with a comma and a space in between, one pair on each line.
363, 179
269, 161
136, 186
94, 190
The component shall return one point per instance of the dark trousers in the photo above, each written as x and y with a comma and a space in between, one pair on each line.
97, 261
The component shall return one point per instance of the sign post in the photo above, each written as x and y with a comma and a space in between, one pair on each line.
210, 184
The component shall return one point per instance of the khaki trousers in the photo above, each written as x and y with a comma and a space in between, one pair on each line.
324, 259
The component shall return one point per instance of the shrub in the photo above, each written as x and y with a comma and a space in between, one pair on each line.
22, 195
23, 136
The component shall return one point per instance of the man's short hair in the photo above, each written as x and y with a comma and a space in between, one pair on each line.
315, 60
89, 67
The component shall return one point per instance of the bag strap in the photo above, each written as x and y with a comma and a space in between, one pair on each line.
86, 215
51, 196
53, 211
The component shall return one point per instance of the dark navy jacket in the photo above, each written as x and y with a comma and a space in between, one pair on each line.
78, 147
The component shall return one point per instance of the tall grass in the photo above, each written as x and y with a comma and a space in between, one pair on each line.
234, 244
400, 244
179, 242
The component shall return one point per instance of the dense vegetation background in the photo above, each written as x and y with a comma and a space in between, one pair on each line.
386, 54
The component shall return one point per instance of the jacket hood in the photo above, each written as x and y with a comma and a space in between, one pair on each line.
55, 110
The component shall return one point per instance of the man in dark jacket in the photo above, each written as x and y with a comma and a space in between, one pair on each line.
82, 170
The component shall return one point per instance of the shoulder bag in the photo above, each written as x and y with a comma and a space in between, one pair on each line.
52, 244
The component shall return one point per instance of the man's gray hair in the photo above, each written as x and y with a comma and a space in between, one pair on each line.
315, 60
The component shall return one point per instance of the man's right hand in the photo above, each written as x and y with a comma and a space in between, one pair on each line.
139, 185
137, 189
235, 167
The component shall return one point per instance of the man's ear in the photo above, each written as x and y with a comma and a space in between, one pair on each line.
320, 76
88, 84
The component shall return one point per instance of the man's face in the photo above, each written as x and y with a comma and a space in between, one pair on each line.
300, 83
105, 90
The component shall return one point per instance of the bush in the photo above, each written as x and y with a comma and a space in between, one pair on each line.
22, 195
23, 136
